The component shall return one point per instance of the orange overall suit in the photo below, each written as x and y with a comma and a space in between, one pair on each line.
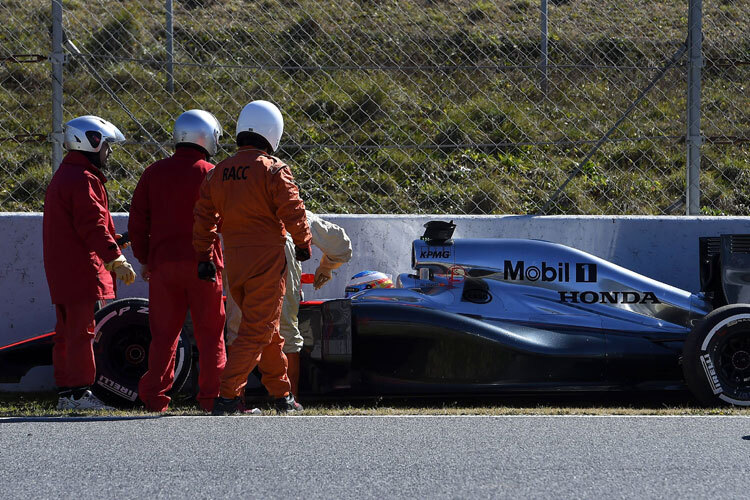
254, 196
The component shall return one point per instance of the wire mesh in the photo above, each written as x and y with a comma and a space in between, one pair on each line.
418, 106
24, 105
725, 120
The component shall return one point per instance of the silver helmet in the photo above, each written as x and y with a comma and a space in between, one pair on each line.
88, 133
200, 128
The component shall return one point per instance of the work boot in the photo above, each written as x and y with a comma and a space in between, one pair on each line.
225, 406
287, 404
293, 371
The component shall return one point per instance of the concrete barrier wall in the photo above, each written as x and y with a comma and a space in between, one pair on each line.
663, 248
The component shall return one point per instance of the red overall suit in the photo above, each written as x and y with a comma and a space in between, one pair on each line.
255, 197
78, 239
161, 232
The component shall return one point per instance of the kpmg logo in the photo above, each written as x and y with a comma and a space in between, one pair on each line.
435, 253
561, 272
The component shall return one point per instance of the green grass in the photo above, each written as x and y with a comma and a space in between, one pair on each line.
43, 405
399, 127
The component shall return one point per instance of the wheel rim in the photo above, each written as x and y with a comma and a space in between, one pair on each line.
732, 361
129, 352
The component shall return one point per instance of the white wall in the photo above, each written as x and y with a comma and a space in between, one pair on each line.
663, 248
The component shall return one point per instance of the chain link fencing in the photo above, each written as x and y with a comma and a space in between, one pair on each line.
419, 106
725, 122
25, 103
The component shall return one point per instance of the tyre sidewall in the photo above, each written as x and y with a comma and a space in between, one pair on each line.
698, 356
117, 378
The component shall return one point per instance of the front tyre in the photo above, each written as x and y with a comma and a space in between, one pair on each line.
716, 357
121, 342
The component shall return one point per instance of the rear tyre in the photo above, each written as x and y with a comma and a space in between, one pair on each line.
716, 357
121, 345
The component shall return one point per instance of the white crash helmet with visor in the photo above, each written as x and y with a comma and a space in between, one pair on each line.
89, 133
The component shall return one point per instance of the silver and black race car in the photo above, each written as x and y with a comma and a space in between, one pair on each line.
494, 316
502, 315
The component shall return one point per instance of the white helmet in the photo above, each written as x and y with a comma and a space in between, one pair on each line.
88, 133
200, 128
264, 119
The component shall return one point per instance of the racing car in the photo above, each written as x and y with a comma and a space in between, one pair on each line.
496, 316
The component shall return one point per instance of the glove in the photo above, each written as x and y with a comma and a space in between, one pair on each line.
302, 254
122, 269
324, 271
322, 276
122, 240
207, 270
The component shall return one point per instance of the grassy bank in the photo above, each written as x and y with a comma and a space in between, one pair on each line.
425, 106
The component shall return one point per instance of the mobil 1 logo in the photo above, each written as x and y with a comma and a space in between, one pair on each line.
563, 272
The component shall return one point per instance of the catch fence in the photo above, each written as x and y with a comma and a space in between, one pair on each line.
419, 106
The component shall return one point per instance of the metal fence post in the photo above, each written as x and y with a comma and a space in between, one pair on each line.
170, 48
693, 139
57, 58
543, 47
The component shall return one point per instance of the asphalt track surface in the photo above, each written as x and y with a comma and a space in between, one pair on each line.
372, 457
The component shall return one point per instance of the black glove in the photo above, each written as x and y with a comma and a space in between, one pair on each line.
301, 254
207, 270
123, 240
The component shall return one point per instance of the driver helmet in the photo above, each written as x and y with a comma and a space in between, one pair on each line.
367, 280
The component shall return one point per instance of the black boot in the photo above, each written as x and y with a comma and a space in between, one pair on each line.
287, 404
224, 406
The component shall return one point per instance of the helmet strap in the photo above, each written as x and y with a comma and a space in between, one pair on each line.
94, 158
